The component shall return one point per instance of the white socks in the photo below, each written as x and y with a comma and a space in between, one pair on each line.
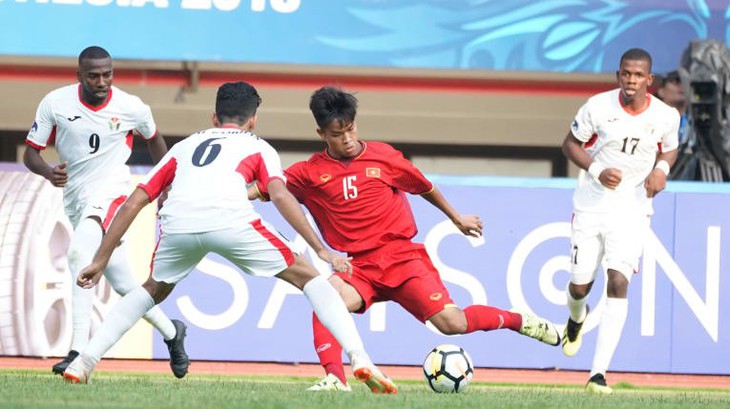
333, 314
577, 307
121, 279
609, 333
118, 321
84, 242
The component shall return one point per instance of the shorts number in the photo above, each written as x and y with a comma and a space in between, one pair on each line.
575, 255
94, 142
204, 156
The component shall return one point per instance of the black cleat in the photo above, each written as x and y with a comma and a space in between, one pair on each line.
61, 366
179, 361
597, 384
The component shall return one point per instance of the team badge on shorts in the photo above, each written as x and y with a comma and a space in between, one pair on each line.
325, 178
114, 124
435, 296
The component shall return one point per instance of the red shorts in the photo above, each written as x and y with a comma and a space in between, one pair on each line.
402, 272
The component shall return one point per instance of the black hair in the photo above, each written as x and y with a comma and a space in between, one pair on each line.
672, 77
637, 54
331, 103
236, 102
93, 53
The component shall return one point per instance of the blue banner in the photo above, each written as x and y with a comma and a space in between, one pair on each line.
535, 35
677, 320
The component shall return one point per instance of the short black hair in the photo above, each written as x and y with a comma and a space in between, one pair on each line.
93, 53
236, 102
672, 77
637, 54
331, 103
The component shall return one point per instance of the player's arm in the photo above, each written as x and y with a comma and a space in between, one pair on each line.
470, 225
574, 151
290, 209
157, 147
57, 175
656, 181
90, 275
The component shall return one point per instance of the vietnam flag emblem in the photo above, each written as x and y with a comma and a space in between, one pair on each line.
372, 172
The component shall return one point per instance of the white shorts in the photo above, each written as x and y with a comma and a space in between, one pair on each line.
256, 248
619, 236
102, 204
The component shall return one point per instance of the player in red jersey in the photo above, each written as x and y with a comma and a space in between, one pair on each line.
355, 191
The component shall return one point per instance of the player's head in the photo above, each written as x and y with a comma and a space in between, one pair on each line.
95, 74
671, 92
634, 73
334, 111
236, 103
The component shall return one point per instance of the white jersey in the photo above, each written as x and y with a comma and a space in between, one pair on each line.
618, 139
208, 173
95, 141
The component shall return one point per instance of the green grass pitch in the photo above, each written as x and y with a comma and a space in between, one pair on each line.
39, 389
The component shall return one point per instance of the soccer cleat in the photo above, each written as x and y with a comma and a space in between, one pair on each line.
597, 384
572, 336
76, 372
366, 372
539, 328
330, 383
179, 361
61, 366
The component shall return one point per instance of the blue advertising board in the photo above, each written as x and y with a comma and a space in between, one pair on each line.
534, 35
677, 320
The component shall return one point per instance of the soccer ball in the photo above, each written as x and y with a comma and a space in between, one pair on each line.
448, 369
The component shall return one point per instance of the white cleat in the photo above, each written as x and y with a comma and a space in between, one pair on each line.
366, 372
76, 372
597, 384
330, 383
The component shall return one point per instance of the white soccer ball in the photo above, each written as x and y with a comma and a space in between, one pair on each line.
448, 369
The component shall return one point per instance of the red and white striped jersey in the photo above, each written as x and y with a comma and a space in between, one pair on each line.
208, 173
618, 139
95, 141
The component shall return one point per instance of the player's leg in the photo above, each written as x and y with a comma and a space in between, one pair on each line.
119, 275
624, 242
586, 255
175, 257
328, 349
84, 242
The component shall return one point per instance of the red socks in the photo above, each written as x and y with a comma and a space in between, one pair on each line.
484, 318
328, 350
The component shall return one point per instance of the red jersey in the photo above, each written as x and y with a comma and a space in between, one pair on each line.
359, 204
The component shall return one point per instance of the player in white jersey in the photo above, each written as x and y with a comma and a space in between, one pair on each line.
92, 124
625, 142
207, 210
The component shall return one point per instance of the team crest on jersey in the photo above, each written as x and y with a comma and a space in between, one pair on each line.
114, 124
325, 178
372, 172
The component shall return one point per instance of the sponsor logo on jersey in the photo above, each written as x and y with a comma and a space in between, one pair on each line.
372, 172
325, 178
34, 128
612, 119
114, 124
75, 117
574, 125
435, 296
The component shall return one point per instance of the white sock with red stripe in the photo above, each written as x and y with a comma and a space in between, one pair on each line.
118, 321
84, 242
332, 313
119, 275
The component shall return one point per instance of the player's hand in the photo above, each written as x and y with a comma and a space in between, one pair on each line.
470, 225
90, 275
655, 182
59, 175
339, 263
610, 177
